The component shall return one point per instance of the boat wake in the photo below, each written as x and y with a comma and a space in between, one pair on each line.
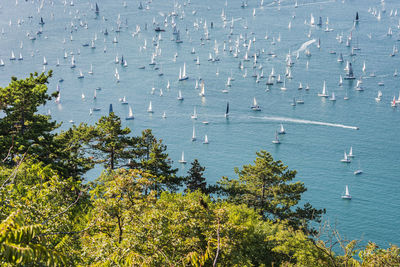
283, 119
304, 46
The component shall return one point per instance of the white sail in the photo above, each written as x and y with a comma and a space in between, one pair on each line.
205, 139
202, 92
194, 134
333, 98
130, 114
351, 152
182, 160
194, 115
347, 193
324, 91
150, 108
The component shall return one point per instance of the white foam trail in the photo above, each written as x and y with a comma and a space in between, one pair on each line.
283, 119
304, 46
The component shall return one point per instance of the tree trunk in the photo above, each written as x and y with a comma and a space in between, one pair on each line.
262, 199
112, 159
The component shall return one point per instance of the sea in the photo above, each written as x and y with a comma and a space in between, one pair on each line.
280, 33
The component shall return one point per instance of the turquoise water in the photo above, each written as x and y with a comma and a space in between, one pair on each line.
313, 150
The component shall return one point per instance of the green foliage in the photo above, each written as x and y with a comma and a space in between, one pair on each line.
21, 128
112, 141
265, 187
151, 156
372, 255
133, 228
45, 199
195, 180
71, 151
21, 244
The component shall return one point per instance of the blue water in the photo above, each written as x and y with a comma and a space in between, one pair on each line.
313, 150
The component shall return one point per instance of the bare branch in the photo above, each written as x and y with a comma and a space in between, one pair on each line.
218, 246
64, 211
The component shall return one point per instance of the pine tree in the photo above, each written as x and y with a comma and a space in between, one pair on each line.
22, 129
111, 144
195, 180
265, 186
151, 156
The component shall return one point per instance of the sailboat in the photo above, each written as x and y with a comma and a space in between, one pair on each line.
293, 102
394, 102
182, 74
80, 76
279, 79
351, 153
300, 86
276, 140
357, 18
73, 62
379, 97
345, 158
12, 56
282, 130
340, 80
340, 58
350, 74
255, 106
58, 99
205, 139
91, 69
164, 115
283, 88
227, 110
194, 134
324, 92
359, 170
194, 115
182, 160
97, 9
180, 98
346, 194
202, 92
150, 108
130, 114
332, 98
124, 101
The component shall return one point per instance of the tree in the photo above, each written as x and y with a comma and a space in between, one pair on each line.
20, 244
21, 129
57, 204
372, 255
70, 151
151, 156
195, 180
131, 228
111, 144
265, 187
